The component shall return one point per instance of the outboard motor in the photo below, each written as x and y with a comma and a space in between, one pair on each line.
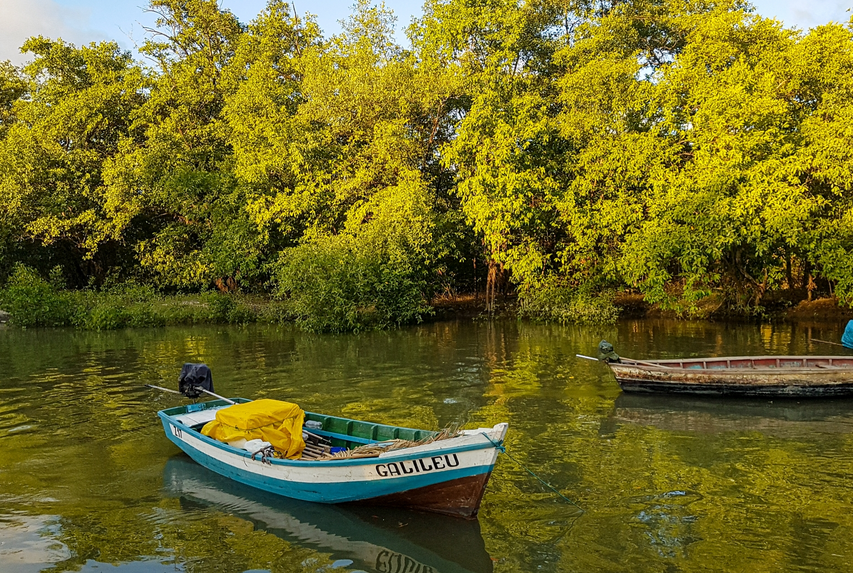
193, 379
606, 353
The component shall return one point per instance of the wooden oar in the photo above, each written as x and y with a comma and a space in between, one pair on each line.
218, 396
827, 342
320, 439
643, 363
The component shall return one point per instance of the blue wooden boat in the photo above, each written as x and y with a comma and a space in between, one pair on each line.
446, 476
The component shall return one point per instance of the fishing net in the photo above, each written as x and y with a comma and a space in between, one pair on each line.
373, 450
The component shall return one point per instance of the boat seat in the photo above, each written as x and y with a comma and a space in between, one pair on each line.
344, 431
200, 417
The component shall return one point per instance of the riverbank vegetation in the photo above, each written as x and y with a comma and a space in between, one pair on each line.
558, 151
32, 301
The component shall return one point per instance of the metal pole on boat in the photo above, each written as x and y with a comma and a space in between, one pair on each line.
217, 396
163, 389
202, 389
635, 361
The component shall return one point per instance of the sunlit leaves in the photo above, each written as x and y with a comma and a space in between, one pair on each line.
684, 149
78, 110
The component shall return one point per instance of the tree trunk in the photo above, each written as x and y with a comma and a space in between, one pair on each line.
495, 272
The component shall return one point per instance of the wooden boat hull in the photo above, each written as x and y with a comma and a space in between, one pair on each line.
767, 376
447, 476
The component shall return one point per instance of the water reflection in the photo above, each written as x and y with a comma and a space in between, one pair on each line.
26, 542
666, 521
667, 483
709, 415
660, 338
381, 540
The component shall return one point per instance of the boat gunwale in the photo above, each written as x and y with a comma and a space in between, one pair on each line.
672, 364
330, 462
219, 404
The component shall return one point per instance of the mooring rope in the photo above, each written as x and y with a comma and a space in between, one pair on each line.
502, 449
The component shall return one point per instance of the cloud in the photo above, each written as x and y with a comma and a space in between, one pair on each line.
21, 19
811, 14
84, 21
804, 14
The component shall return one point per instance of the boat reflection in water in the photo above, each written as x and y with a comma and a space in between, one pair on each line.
785, 418
742, 441
375, 539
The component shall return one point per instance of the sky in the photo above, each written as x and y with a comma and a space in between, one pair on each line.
84, 21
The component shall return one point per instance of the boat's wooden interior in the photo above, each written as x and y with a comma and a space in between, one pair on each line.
351, 433
341, 432
757, 362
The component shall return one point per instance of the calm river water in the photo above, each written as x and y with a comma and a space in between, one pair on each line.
89, 482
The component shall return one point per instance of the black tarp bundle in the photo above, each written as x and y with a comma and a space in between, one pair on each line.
606, 352
194, 378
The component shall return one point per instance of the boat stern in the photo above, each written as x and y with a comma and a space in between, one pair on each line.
461, 496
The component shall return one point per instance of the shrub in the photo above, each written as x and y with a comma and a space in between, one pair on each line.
33, 301
226, 308
127, 304
557, 302
275, 312
105, 317
107, 313
332, 287
130, 292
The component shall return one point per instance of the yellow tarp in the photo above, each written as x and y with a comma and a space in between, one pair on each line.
274, 421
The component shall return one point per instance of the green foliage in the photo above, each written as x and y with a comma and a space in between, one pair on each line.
229, 309
130, 305
176, 183
375, 274
34, 301
12, 88
326, 287
77, 108
688, 149
330, 287
119, 305
560, 303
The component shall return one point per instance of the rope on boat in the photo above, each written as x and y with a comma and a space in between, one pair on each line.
373, 450
502, 449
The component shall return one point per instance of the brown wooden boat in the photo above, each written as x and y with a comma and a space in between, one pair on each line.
783, 376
